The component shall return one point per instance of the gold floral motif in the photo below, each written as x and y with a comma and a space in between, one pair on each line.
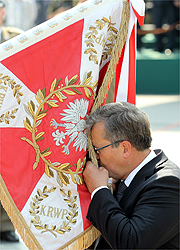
92, 36
8, 82
14, 86
9, 115
54, 229
37, 113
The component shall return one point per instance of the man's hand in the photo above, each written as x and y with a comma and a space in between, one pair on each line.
95, 177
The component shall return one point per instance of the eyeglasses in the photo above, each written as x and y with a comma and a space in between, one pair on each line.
97, 149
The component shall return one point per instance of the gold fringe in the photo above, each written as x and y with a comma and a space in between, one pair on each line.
17, 218
115, 55
83, 240
86, 238
80, 242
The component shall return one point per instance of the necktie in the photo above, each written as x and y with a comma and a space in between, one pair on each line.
121, 188
120, 191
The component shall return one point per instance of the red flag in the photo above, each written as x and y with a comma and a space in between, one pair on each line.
48, 80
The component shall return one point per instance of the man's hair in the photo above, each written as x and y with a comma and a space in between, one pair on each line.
123, 121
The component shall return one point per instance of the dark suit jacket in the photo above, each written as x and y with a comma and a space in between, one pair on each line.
147, 216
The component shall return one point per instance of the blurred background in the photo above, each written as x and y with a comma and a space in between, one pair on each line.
157, 73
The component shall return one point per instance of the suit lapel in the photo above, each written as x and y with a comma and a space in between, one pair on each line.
144, 173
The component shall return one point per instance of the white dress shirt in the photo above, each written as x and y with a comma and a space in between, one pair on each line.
131, 176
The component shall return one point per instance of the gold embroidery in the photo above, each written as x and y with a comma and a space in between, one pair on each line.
54, 229
22, 39
52, 24
82, 9
11, 83
71, 88
5, 82
9, 115
67, 16
92, 37
38, 31
7, 46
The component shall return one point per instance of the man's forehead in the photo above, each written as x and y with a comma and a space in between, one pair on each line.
98, 126
98, 130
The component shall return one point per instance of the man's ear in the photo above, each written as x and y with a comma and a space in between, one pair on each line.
126, 148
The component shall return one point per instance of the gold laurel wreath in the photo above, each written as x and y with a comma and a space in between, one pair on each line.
70, 218
17, 94
70, 88
92, 36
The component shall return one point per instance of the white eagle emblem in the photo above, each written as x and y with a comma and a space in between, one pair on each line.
75, 124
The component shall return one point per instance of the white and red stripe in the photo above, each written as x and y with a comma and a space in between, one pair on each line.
125, 83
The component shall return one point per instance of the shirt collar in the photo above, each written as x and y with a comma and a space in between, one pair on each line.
130, 177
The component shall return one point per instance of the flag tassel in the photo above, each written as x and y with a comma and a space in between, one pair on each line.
115, 55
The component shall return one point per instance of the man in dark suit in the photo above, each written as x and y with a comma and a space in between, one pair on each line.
143, 212
164, 11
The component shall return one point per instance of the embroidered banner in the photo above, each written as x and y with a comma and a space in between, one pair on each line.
49, 77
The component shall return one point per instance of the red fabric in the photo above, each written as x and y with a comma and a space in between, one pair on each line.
16, 159
118, 73
101, 75
132, 68
84, 197
37, 66
140, 18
